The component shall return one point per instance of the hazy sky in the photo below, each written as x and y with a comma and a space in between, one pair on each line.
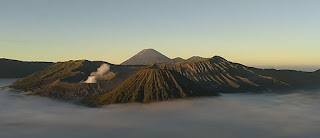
253, 32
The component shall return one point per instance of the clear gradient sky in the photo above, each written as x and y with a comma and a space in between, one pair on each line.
252, 32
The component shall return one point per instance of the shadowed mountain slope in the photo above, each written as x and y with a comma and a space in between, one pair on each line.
17, 69
297, 79
146, 57
150, 85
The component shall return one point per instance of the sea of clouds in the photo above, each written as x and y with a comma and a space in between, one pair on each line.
231, 115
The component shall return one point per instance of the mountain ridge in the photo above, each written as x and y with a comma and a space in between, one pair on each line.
222, 75
195, 58
151, 85
145, 83
175, 60
11, 68
151, 56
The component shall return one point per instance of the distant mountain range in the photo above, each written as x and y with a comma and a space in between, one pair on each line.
194, 58
150, 56
175, 60
17, 69
150, 76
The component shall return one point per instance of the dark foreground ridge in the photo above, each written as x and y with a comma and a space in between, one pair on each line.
17, 69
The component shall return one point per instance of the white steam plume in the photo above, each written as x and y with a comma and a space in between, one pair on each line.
103, 69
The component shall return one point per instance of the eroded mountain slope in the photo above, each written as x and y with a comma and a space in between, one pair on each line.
224, 76
150, 85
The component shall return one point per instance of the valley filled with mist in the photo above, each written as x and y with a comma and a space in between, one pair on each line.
231, 115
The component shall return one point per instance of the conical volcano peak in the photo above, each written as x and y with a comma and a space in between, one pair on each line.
149, 50
146, 57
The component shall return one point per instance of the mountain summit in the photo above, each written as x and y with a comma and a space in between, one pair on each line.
145, 57
194, 58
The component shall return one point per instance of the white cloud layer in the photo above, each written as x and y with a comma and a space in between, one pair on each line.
231, 115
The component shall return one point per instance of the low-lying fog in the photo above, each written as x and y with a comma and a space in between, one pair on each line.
230, 115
